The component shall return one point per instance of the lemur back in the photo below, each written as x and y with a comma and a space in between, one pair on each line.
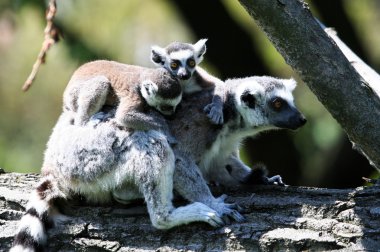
182, 60
134, 88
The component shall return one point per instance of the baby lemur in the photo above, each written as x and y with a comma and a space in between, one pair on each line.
134, 88
182, 60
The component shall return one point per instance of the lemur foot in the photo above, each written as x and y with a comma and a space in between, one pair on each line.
198, 212
214, 113
227, 211
258, 176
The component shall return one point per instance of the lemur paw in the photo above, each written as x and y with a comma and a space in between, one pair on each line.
214, 113
258, 176
275, 180
227, 211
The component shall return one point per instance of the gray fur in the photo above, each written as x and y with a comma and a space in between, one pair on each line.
102, 163
213, 148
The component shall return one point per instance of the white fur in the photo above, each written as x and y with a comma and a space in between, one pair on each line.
157, 101
182, 55
35, 202
34, 227
20, 248
198, 47
250, 116
284, 94
190, 213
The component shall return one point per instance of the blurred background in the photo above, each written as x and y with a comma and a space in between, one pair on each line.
319, 154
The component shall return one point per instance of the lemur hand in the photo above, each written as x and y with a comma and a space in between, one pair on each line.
214, 111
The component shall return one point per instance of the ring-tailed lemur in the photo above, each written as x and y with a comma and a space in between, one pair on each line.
182, 60
104, 163
253, 105
105, 160
134, 88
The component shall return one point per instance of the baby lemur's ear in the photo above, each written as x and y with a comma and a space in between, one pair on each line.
158, 55
148, 89
200, 49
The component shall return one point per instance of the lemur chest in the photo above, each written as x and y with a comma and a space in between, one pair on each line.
190, 86
223, 146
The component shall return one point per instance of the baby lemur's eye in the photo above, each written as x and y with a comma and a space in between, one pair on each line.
174, 65
191, 62
277, 103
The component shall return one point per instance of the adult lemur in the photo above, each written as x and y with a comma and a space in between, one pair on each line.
106, 163
182, 60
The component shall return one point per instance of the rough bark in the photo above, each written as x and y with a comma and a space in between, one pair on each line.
352, 101
277, 218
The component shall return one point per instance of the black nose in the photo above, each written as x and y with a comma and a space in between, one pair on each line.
184, 76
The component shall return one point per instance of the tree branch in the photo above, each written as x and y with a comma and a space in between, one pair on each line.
277, 218
322, 66
51, 37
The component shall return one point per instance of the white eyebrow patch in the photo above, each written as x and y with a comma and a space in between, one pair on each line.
181, 55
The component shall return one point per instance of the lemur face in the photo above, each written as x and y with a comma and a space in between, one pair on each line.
179, 58
157, 98
268, 102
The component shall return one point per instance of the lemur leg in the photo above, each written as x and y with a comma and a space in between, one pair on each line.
130, 115
190, 184
154, 175
92, 100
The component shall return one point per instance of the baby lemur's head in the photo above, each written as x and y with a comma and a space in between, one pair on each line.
179, 58
266, 102
161, 91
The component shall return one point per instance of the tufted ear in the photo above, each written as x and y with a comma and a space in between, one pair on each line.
200, 49
158, 55
290, 84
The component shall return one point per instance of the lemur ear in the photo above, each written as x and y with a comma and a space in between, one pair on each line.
158, 55
148, 88
200, 49
290, 84
248, 99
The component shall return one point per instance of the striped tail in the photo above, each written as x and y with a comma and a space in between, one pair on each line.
32, 232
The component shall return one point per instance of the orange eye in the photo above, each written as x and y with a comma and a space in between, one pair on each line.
191, 63
173, 65
277, 104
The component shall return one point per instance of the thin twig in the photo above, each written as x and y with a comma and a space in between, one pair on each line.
51, 37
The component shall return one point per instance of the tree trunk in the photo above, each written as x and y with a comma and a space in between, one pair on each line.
352, 101
277, 218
